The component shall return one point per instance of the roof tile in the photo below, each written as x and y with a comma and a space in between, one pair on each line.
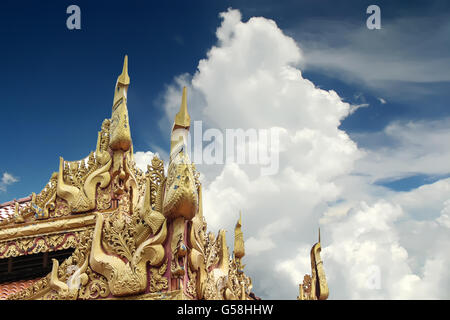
7, 289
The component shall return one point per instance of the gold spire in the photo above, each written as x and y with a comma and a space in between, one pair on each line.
239, 249
182, 119
319, 234
124, 79
120, 136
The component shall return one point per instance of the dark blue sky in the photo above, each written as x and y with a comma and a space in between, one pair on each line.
57, 84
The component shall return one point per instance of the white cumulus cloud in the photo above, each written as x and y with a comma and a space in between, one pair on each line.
251, 79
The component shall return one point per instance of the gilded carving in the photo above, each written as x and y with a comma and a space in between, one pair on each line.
18, 218
69, 290
130, 277
104, 198
180, 198
78, 186
191, 287
97, 286
82, 198
62, 208
157, 281
314, 286
43, 243
178, 248
120, 136
155, 173
36, 290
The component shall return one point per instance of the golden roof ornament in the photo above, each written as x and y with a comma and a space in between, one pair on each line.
314, 286
124, 79
239, 249
120, 136
182, 118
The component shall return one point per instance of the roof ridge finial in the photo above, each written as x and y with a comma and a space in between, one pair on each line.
120, 135
319, 234
183, 119
124, 78
239, 246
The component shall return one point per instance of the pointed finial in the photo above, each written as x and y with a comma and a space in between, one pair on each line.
120, 136
319, 234
182, 119
239, 248
124, 79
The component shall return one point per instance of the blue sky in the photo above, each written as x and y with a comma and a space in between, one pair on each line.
57, 83
373, 172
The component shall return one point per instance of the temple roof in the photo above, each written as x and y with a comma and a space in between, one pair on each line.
7, 208
107, 224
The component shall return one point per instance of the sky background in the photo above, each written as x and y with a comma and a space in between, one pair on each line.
363, 113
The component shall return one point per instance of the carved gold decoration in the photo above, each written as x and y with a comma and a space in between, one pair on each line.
77, 184
239, 250
64, 224
45, 243
120, 137
124, 278
44, 202
181, 198
18, 218
97, 286
182, 118
103, 198
35, 291
170, 295
178, 248
314, 286
40, 207
191, 287
155, 173
157, 281
82, 198
124, 204
68, 291
62, 208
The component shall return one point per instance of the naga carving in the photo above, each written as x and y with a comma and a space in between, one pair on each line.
125, 271
180, 198
80, 193
40, 205
68, 291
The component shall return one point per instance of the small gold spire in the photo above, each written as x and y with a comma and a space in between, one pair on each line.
124, 79
239, 248
182, 119
319, 234
120, 136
